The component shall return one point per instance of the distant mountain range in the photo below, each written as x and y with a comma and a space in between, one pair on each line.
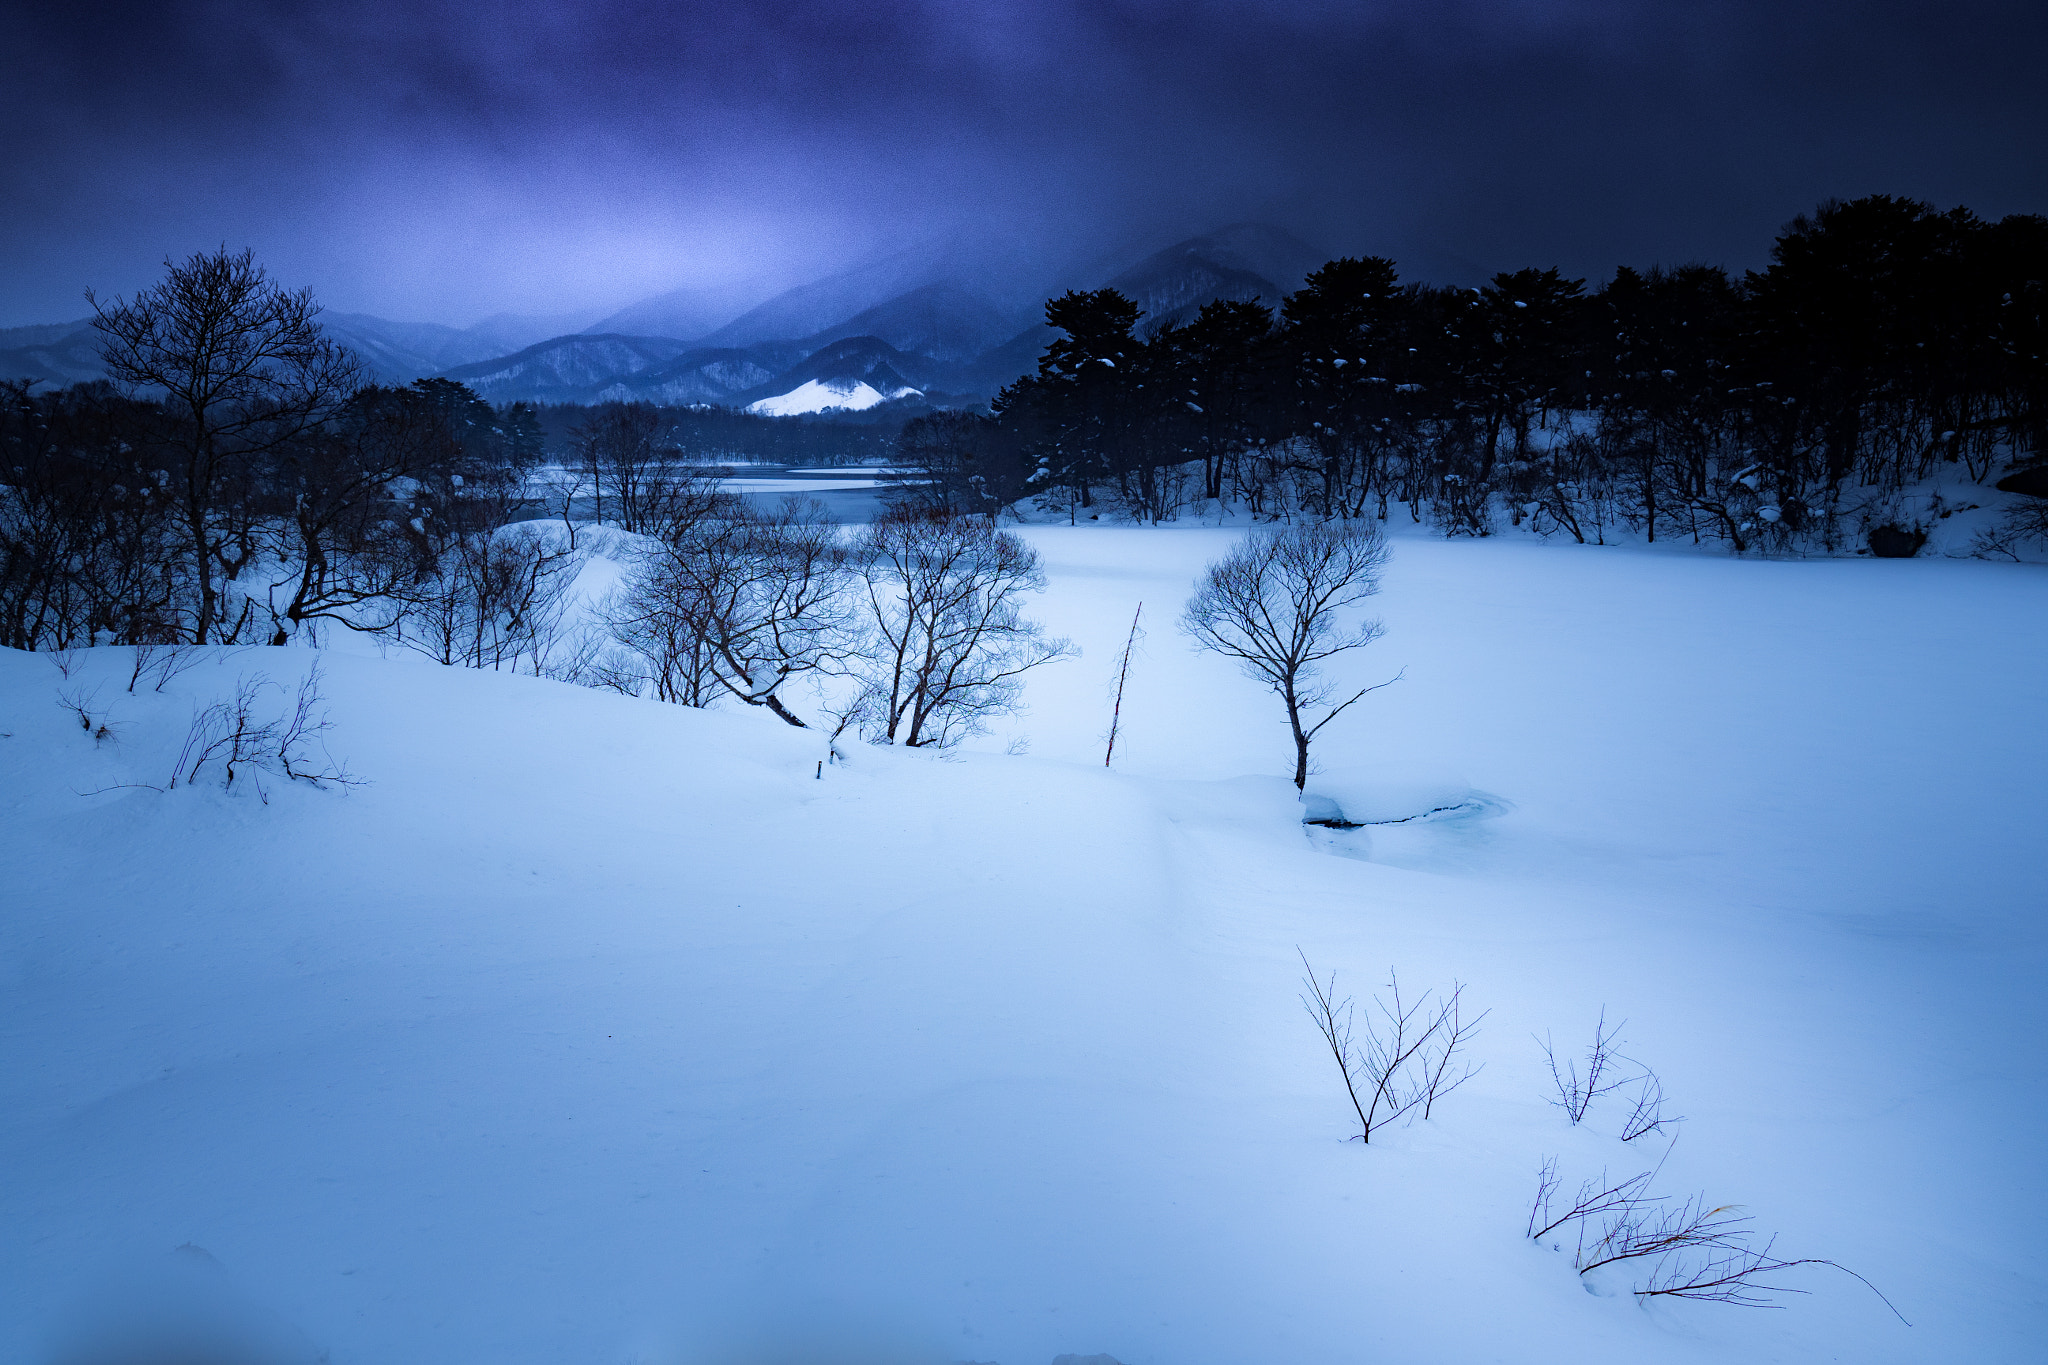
1248, 261
906, 325
394, 352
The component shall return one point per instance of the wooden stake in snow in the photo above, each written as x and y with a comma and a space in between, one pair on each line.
1123, 671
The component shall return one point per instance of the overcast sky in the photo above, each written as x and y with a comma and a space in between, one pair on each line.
434, 160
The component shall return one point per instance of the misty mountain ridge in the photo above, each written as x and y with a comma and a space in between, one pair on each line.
944, 321
56, 353
566, 369
684, 314
1245, 261
393, 352
904, 321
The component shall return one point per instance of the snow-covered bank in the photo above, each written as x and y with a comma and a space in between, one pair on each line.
595, 1029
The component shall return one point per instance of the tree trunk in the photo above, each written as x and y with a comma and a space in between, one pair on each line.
1300, 739
774, 703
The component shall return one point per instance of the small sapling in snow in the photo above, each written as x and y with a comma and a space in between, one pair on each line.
1580, 1081
1576, 1090
1408, 1059
1123, 673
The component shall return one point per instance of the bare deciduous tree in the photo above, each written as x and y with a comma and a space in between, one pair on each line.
627, 453
1409, 1057
741, 601
242, 367
948, 640
1275, 603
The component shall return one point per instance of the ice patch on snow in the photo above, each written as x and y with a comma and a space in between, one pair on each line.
1350, 799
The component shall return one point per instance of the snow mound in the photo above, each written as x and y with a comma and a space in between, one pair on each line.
826, 395
1382, 797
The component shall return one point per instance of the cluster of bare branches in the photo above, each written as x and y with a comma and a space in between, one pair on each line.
1576, 1089
158, 664
1408, 1057
1602, 1070
83, 702
236, 738
1684, 1248
498, 604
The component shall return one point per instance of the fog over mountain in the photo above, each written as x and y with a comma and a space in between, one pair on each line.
435, 162
904, 322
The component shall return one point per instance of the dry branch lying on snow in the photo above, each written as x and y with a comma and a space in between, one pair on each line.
1690, 1249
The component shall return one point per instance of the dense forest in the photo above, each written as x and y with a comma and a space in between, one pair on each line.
238, 479
1888, 344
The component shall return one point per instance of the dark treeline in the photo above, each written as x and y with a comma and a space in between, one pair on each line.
239, 482
714, 436
1887, 343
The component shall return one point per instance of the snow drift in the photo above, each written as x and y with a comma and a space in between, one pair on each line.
595, 1029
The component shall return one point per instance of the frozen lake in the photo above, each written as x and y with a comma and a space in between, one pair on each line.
851, 493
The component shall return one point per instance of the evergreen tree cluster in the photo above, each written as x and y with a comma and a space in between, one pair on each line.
1888, 343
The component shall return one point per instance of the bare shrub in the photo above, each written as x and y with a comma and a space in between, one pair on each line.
1688, 1249
490, 599
158, 664
84, 703
1408, 1058
235, 738
1646, 1115
1576, 1089
1601, 1070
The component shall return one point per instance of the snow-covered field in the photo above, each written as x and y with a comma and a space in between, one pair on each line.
594, 1030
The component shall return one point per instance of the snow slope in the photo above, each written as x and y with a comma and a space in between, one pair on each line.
599, 1030
825, 395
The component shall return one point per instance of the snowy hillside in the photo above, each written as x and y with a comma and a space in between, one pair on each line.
594, 1029
825, 395
567, 367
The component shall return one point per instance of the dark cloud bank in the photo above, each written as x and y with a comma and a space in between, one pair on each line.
439, 160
